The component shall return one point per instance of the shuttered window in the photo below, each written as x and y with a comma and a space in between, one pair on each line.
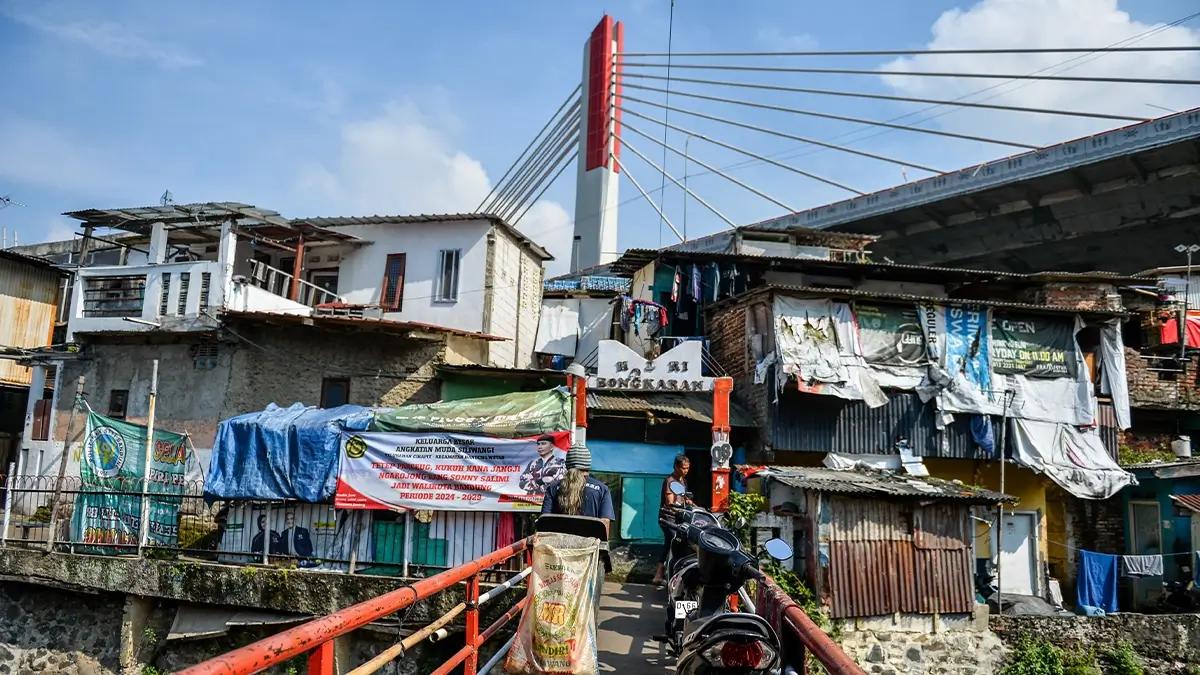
391, 295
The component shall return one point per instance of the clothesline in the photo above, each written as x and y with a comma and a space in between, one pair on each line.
1076, 548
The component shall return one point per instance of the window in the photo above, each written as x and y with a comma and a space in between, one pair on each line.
118, 403
391, 296
42, 410
1146, 537
335, 391
446, 285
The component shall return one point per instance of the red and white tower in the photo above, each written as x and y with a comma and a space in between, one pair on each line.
596, 187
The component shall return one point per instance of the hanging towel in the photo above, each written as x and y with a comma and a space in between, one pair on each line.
981, 431
675, 286
1142, 565
696, 283
714, 272
1097, 582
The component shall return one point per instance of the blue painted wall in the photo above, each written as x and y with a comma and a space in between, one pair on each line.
1175, 525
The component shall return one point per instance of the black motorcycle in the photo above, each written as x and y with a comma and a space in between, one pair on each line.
714, 640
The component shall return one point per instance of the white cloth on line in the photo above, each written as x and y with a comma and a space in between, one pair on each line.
558, 328
595, 324
1074, 459
1142, 565
1113, 380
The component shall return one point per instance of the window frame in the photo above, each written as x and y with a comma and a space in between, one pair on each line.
325, 382
124, 412
396, 303
439, 283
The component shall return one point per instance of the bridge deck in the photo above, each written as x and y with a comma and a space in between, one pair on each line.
630, 615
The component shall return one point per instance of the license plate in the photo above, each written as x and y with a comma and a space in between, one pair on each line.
682, 607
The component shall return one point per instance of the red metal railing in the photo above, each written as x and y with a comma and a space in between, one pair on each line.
790, 621
316, 637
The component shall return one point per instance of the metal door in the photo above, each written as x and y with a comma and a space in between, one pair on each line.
1018, 554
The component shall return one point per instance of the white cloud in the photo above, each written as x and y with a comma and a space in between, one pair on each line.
1049, 23
776, 40
113, 39
401, 162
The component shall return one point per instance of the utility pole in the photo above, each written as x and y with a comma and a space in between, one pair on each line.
144, 527
1187, 290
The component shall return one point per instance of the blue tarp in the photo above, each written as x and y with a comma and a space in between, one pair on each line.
280, 453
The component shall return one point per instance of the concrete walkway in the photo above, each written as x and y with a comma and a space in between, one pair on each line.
630, 615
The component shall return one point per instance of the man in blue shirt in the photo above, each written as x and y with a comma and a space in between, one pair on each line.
578, 494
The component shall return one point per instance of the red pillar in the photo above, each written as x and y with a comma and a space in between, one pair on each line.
472, 626
320, 660
297, 270
721, 451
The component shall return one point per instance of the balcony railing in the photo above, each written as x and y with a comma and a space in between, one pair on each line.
278, 282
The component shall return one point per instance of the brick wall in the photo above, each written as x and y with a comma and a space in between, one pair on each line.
1079, 296
728, 332
1163, 390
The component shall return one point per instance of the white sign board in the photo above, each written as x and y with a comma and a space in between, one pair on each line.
677, 369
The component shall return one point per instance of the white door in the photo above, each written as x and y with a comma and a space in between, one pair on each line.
1018, 554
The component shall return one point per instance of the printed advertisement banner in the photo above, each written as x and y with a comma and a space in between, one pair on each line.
314, 534
891, 335
445, 471
1037, 346
966, 349
112, 461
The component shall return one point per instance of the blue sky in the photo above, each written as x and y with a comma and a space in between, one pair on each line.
348, 109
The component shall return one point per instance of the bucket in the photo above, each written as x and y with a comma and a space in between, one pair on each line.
1182, 446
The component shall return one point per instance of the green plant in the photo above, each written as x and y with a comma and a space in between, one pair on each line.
149, 637
743, 508
151, 670
1123, 660
41, 515
1038, 657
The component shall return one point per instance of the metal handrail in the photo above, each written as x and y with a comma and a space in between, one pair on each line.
316, 637
276, 281
785, 615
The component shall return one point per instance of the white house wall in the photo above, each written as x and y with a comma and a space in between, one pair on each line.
360, 273
515, 302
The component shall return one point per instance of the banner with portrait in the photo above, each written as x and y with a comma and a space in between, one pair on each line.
447, 471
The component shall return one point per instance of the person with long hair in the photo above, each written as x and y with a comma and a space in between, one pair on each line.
578, 493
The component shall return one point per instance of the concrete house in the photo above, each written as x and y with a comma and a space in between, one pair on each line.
243, 308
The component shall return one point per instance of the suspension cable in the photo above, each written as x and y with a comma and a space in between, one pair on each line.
538, 155
678, 184
544, 153
885, 97
917, 73
517, 161
715, 170
842, 118
761, 158
784, 134
563, 149
546, 186
645, 196
917, 52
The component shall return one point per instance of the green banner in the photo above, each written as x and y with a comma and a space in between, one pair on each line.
1036, 346
891, 334
515, 415
111, 465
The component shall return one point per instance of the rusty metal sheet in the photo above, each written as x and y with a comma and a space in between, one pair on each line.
873, 578
941, 526
869, 520
28, 309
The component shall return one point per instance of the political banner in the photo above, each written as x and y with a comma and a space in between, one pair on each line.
966, 349
313, 535
891, 335
1037, 346
447, 471
112, 463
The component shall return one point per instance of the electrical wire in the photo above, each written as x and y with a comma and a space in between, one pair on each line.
841, 118
919, 73
784, 134
574, 93
761, 158
885, 97
715, 170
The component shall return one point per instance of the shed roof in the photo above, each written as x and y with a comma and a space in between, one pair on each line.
31, 260
341, 221
882, 484
695, 406
1190, 502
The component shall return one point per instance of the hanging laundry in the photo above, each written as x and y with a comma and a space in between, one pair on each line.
675, 286
662, 316
696, 283
713, 274
1142, 565
1097, 582
981, 431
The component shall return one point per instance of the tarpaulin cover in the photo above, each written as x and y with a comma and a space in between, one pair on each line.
280, 453
520, 414
1075, 459
1169, 331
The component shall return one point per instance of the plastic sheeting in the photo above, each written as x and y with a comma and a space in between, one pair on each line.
280, 453
1113, 380
558, 327
507, 415
1075, 459
818, 342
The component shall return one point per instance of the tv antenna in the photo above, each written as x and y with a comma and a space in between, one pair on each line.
167, 198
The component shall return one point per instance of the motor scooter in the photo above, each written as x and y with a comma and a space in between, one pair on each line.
716, 640
682, 579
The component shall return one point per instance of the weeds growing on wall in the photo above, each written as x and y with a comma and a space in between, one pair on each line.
1038, 657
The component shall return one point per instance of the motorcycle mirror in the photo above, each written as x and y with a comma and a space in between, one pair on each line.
739, 522
778, 549
677, 488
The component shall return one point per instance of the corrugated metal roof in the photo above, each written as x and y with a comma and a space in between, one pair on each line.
359, 323
881, 484
825, 292
339, 221
1191, 502
695, 406
30, 260
177, 213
